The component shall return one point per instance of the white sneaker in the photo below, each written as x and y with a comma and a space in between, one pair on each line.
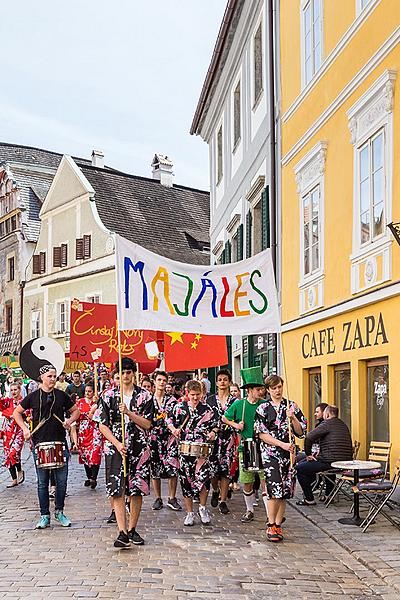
204, 516
189, 519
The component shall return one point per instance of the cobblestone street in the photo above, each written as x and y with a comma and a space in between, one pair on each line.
226, 561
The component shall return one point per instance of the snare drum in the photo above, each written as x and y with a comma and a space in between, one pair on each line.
197, 449
50, 455
252, 460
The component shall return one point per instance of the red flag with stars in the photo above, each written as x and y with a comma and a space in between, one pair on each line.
188, 351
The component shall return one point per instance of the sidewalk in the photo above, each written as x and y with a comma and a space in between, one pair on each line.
378, 549
225, 561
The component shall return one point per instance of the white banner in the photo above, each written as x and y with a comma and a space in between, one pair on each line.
161, 294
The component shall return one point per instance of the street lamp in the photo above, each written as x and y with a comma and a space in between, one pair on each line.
395, 229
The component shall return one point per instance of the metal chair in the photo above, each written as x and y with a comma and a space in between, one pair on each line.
330, 475
378, 493
379, 452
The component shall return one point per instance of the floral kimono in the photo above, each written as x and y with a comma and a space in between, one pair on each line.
164, 445
225, 446
279, 477
196, 424
136, 441
90, 440
13, 437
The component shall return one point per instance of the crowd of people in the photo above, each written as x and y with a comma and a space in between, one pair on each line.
160, 428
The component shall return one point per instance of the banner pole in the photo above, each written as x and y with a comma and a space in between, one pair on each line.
121, 394
96, 380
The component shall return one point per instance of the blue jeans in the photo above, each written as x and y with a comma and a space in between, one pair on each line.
43, 479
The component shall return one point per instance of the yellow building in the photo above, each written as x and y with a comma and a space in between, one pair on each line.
340, 190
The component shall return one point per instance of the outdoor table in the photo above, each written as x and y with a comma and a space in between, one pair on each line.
355, 466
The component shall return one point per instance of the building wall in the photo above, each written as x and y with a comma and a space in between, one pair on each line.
350, 101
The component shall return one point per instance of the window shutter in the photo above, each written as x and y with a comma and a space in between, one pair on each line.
239, 245
86, 246
64, 255
223, 257
36, 264
249, 222
42, 257
228, 252
265, 219
57, 256
79, 249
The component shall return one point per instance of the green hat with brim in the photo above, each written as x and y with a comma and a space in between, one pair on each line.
252, 377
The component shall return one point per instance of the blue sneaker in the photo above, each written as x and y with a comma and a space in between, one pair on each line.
43, 522
62, 519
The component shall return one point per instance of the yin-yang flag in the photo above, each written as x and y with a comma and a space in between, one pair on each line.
39, 352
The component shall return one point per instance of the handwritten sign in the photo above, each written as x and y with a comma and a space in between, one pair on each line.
94, 336
157, 293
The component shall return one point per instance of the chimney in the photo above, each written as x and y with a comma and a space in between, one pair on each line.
162, 169
98, 158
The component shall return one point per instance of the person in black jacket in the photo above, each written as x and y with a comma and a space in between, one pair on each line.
335, 444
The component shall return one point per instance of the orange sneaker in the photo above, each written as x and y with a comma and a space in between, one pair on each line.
272, 535
279, 532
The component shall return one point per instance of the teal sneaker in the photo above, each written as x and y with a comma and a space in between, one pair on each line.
43, 522
62, 519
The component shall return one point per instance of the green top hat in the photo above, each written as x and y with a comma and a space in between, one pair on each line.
252, 377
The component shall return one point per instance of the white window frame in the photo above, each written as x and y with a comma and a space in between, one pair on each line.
361, 5
37, 323
310, 174
373, 112
303, 6
236, 143
220, 126
89, 297
309, 195
59, 329
256, 101
368, 143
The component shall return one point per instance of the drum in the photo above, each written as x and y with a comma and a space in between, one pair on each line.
252, 460
50, 455
197, 449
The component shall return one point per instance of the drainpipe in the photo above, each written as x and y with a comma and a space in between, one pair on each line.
272, 153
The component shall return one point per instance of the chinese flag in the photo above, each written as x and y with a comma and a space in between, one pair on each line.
188, 351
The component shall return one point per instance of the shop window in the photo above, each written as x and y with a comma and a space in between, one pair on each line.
314, 390
343, 392
378, 400
311, 38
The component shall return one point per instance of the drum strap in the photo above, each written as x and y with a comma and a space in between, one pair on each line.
41, 406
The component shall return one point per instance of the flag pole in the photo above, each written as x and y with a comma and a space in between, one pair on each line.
121, 394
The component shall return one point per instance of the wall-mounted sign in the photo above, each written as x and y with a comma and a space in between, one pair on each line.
360, 333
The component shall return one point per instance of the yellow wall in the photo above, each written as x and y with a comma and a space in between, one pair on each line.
374, 28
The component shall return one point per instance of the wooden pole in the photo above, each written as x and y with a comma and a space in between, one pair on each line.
121, 393
96, 379
292, 457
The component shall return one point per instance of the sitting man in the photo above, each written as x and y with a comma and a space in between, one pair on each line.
335, 444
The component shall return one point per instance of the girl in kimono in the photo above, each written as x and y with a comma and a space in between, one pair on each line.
13, 437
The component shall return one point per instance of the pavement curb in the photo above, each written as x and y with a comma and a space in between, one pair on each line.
365, 557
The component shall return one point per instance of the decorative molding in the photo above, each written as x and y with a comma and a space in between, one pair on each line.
256, 189
233, 223
311, 294
311, 167
340, 46
370, 271
345, 93
218, 248
371, 276
372, 107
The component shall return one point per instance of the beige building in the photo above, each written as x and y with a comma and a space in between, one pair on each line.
74, 255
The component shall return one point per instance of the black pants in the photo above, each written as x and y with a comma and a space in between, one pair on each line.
13, 470
306, 475
92, 471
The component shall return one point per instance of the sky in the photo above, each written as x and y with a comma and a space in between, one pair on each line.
122, 76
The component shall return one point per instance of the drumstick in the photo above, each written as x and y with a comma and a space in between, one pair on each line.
38, 426
58, 419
